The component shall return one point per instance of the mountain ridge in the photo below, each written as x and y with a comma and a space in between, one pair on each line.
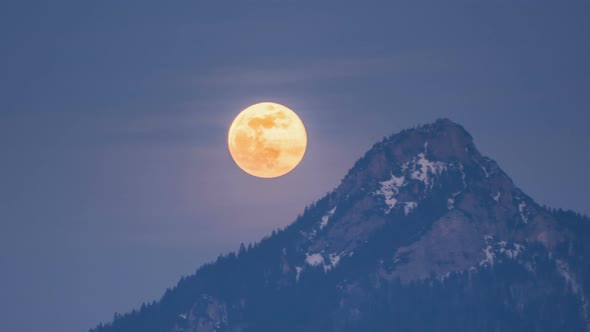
421, 207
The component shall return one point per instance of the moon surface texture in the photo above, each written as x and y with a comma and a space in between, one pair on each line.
267, 140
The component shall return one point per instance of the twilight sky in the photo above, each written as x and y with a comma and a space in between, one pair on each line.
115, 178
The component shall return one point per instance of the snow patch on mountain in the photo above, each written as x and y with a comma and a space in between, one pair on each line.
318, 260
489, 259
334, 260
496, 197
314, 259
463, 176
522, 211
451, 200
389, 189
419, 169
496, 248
571, 282
326, 218
409, 206
450, 203
423, 170
298, 270
485, 171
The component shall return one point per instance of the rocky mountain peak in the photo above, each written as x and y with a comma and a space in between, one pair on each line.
443, 141
433, 172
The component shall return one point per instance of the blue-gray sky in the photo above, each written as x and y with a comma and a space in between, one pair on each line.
115, 178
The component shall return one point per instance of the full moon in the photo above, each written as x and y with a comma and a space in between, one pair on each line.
267, 140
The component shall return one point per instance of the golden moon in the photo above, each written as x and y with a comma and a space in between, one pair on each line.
267, 140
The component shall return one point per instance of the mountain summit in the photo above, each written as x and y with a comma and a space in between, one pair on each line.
423, 234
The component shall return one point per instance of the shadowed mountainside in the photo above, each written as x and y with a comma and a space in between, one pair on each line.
424, 233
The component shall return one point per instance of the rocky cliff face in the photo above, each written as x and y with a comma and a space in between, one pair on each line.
423, 233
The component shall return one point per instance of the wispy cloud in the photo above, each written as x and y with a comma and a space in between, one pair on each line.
321, 70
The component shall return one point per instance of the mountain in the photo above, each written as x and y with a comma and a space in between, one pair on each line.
423, 234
